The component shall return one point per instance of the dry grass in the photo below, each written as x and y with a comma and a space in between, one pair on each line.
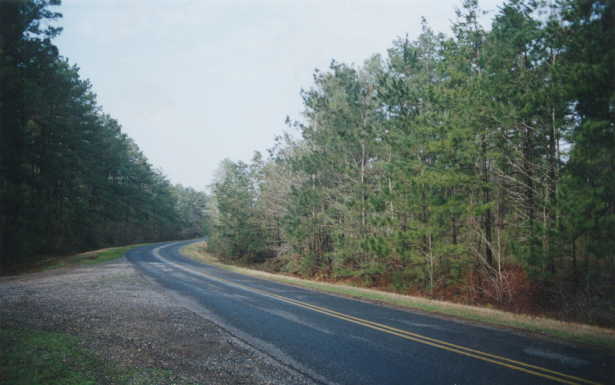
198, 252
567, 331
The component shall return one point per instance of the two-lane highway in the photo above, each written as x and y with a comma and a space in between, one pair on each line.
339, 340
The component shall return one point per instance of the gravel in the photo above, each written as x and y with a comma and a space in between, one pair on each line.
129, 321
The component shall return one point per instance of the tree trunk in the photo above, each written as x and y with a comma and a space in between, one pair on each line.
487, 216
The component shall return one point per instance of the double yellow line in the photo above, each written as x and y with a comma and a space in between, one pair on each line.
469, 352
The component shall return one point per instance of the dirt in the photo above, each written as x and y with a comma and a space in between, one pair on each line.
127, 320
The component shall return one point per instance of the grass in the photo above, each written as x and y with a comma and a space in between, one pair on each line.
86, 258
105, 255
565, 331
35, 357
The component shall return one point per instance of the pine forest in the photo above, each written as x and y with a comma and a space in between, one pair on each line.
70, 179
476, 166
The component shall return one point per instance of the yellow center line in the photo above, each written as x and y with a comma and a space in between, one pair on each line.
480, 355
499, 360
425, 339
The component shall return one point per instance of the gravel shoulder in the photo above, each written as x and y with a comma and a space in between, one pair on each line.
126, 320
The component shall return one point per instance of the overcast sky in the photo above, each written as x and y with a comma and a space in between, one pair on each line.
197, 81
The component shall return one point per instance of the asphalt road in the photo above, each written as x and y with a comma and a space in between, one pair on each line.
337, 340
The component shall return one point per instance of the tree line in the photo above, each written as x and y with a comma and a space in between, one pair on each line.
478, 166
70, 179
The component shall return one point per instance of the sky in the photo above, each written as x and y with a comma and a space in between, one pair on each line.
197, 81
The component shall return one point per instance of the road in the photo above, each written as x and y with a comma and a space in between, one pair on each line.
336, 340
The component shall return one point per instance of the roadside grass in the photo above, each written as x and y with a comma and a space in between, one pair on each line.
565, 331
91, 257
35, 357
104, 255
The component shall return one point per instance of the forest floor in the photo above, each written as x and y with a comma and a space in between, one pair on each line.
548, 327
108, 324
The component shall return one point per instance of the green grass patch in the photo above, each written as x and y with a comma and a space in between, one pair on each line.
87, 258
34, 357
565, 331
105, 255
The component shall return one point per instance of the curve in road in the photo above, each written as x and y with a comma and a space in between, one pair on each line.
334, 339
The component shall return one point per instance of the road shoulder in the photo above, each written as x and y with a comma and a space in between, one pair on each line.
129, 322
